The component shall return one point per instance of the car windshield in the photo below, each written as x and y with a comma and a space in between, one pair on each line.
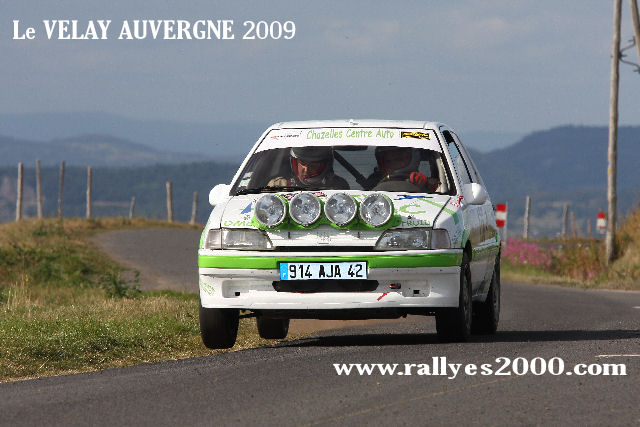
375, 168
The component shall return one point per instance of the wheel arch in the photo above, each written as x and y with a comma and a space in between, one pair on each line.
468, 250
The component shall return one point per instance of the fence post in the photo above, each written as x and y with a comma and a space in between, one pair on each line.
573, 225
60, 189
194, 208
589, 227
39, 189
169, 203
527, 207
19, 192
132, 207
89, 176
564, 220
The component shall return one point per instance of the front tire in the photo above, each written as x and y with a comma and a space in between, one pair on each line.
219, 326
454, 324
486, 315
272, 329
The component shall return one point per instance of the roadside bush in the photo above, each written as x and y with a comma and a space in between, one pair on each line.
575, 259
116, 286
579, 259
521, 252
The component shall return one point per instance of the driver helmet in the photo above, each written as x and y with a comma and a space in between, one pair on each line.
397, 162
311, 164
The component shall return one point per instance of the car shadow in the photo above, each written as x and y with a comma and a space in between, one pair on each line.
378, 339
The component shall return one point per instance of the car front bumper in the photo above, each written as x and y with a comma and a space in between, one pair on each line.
244, 280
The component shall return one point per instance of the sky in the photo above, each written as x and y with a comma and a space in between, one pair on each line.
493, 65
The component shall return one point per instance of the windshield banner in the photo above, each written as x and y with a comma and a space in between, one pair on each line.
416, 138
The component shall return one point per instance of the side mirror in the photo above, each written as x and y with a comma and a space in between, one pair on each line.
474, 194
218, 193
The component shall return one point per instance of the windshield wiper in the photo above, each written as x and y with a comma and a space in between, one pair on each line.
270, 189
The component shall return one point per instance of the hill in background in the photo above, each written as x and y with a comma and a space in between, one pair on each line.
230, 141
94, 150
565, 164
227, 141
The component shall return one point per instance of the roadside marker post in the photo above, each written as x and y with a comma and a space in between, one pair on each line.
601, 223
501, 220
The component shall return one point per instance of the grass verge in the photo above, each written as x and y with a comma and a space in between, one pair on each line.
65, 308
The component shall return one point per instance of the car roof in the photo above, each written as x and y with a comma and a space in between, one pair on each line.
407, 124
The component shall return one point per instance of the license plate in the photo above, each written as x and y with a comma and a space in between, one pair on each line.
323, 270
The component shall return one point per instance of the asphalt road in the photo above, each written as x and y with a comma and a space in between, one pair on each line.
295, 383
167, 258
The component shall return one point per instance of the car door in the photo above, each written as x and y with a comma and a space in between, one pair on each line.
488, 249
473, 216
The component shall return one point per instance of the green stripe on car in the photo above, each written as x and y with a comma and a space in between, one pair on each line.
486, 251
438, 205
380, 261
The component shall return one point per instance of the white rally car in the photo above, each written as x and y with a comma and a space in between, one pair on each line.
354, 219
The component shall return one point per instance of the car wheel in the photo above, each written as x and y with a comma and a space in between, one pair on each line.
272, 329
219, 326
454, 324
486, 315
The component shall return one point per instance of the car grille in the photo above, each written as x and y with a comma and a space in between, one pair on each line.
325, 248
313, 286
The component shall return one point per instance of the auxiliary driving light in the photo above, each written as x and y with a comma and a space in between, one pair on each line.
340, 208
376, 210
270, 210
305, 209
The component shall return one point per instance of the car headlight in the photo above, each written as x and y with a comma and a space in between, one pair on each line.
305, 209
214, 239
376, 210
270, 210
413, 238
340, 208
245, 239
